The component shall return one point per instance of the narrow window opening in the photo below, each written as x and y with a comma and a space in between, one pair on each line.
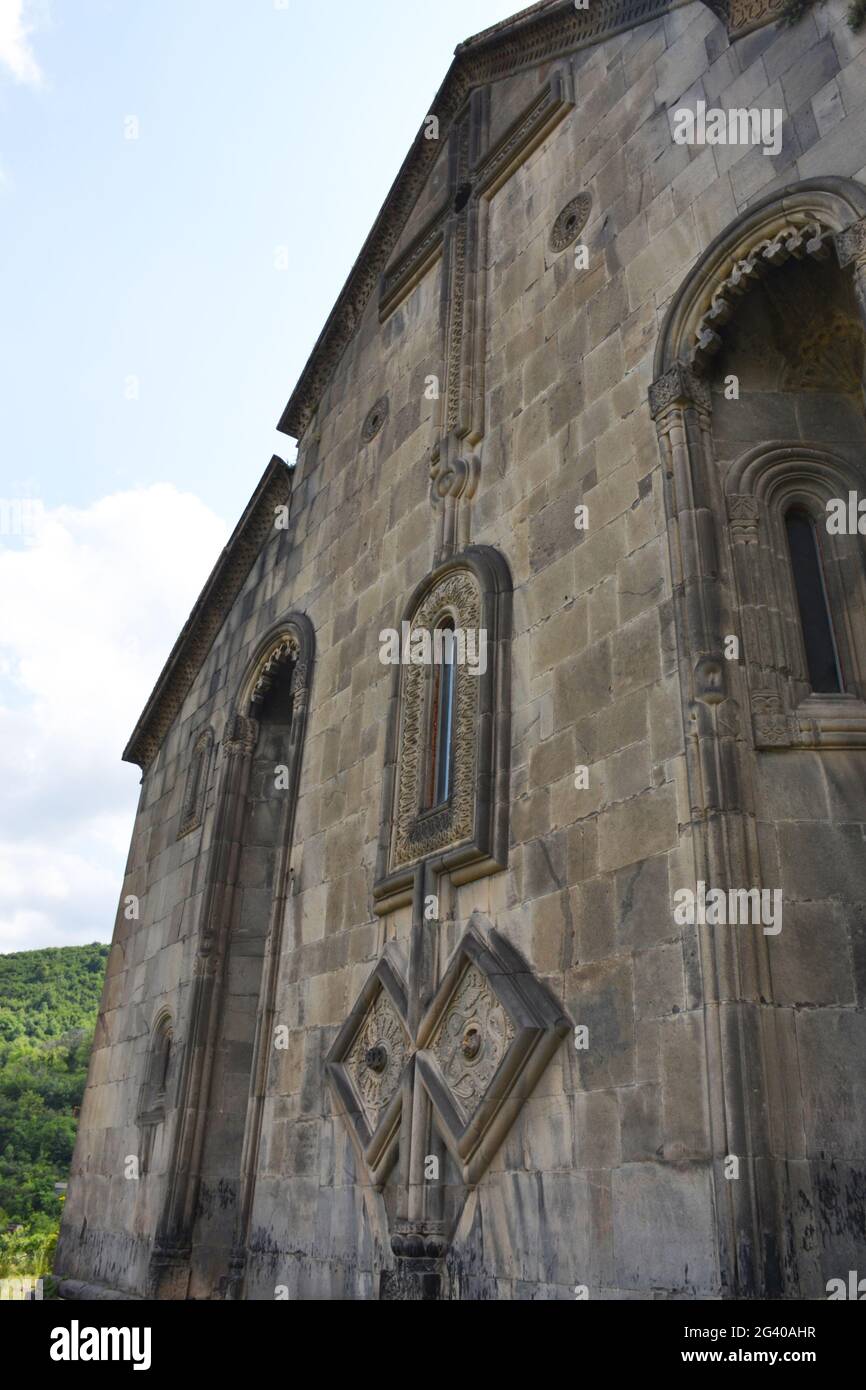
442, 716
819, 641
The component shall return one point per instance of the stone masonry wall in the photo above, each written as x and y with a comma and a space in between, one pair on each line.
606, 1179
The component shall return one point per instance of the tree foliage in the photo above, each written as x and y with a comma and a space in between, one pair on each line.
50, 1003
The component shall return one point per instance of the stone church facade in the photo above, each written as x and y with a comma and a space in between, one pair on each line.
403, 1001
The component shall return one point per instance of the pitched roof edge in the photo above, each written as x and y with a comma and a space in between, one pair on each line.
529, 37
208, 614
511, 23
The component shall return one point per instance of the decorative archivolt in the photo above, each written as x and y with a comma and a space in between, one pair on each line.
801, 222
291, 644
760, 488
793, 241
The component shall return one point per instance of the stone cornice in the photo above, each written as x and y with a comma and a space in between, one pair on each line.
740, 17
535, 35
207, 617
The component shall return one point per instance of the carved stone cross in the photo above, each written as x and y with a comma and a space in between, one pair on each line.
422, 1065
457, 232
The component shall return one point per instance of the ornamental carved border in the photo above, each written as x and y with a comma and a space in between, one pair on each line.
468, 835
797, 241
416, 835
759, 487
740, 17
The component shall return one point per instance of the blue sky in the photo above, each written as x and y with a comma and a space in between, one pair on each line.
149, 342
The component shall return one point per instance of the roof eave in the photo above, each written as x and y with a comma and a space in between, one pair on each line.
208, 614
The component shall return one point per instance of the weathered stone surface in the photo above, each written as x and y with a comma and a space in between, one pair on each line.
603, 1171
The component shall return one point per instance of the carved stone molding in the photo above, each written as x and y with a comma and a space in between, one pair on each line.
414, 262
740, 17
525, 133
743, 516
571, 222
377, 1058
209, 614
679, 387
830, 204
519, 44
771, 726
851, 244
454, 473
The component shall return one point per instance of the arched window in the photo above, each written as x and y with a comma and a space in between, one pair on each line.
819, 640
441, 739
192, 811
152, 1102
447, 773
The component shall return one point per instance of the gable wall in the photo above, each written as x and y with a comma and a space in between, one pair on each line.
605, 1179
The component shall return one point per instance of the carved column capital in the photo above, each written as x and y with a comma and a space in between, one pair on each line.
743, 517
241, 736
679, 387
851, 250
851, 244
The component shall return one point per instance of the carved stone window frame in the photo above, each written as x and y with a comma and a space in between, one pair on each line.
195, 791
760, 489
156, 1084
468, 835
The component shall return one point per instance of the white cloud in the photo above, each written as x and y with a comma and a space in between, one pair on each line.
15, 51
91, 608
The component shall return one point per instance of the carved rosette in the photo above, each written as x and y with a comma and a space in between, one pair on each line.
416, 834
366, 1064
378, 1056
487, 1036
571, 222
472, 1039
375, 420
485, 1039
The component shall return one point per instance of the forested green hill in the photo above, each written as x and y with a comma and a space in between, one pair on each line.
43, 994
48, 1006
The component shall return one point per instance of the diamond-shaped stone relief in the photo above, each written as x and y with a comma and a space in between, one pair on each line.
472, 1038
366, 1064
481, 1046
485, 1040
377, 1058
